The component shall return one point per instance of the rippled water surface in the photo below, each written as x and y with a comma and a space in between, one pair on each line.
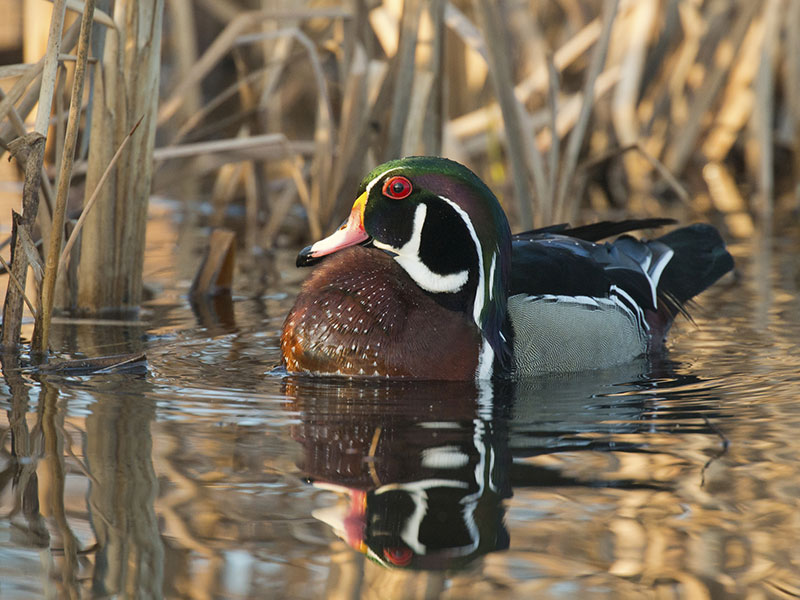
212, 476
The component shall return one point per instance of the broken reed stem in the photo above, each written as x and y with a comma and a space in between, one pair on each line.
41, 332
93, 198
20, 288
29, 213
31, 150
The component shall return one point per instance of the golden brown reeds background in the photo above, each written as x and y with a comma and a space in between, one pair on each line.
570, 110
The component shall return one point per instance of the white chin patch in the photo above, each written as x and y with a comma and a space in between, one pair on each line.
408, 258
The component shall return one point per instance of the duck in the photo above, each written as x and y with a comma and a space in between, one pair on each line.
424, 280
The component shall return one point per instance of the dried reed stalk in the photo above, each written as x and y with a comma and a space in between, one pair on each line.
49, 68
681, 147
765, 111
413, 130
185, 44
352, 120
60, 116
112, 243
403, 80
215, 275
576, 138
237, 146
15, 280
8, 71
738, 99
34, 170
421, 127
31, 153
18, 126
41, 331
98, 15
518, 146
433, 125
222, 44
555, 146
87, 209
792, 36
633, 33
364, 100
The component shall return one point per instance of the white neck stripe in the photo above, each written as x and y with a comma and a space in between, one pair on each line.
486, 353
480, 292
408, 258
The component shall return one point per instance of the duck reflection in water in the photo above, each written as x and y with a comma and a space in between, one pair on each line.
423, 477
423, 468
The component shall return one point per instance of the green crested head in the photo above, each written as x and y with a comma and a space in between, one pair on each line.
447, 229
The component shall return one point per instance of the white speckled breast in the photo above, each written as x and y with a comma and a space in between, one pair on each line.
360, 314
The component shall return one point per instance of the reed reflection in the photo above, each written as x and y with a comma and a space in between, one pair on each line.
129, 553
25, 449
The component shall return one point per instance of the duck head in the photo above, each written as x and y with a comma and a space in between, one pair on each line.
446, 229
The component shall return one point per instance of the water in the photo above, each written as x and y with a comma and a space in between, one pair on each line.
213, 476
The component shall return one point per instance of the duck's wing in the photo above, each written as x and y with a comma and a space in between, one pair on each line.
658, 276
556, 265
595, 232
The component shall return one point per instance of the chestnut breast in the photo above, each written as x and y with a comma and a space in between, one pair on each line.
361, 314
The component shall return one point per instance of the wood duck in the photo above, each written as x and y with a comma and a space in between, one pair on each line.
424, 280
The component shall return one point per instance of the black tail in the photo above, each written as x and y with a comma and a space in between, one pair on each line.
700, 259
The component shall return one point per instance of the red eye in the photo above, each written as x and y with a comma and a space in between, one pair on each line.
399, 557
397, 187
